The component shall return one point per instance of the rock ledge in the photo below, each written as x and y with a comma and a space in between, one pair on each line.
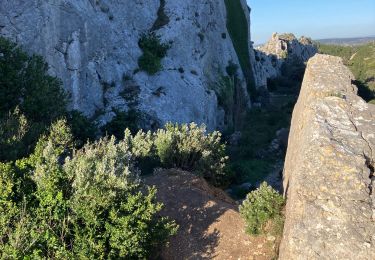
330, 212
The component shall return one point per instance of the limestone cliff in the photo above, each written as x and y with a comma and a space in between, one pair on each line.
281, 48
92, 45
329, 169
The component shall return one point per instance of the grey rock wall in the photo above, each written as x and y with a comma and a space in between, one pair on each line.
329, 177
92, 45
269, 58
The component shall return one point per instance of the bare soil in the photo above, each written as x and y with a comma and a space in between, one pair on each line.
210, 226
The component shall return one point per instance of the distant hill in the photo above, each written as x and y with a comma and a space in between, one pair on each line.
347, 41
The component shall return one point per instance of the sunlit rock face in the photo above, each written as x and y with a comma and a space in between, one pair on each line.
329, 177
270, 57
92, 45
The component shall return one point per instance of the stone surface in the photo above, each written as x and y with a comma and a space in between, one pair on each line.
92, 45
328, 168
271, 56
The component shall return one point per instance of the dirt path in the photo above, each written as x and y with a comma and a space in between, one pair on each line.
210, 225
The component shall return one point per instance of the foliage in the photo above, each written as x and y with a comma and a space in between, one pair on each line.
289, 82
13, 129
30, 100
189, 147
260, 207
185, 146
121, 121
250, 160
143, 149
90, 205
239, 33
224, 90
24, 82
153, 52
231, 69
83, 129
251, 169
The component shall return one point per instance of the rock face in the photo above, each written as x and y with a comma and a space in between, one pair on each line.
92, 45
329, 170
279, 49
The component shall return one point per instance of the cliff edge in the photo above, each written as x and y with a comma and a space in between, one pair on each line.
329, 168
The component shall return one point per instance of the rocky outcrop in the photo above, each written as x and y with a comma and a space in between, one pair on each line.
281, 48
92, 45
329, 170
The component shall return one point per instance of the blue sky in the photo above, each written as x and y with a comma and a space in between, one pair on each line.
317, 19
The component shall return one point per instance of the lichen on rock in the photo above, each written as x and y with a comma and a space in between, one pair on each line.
329, 168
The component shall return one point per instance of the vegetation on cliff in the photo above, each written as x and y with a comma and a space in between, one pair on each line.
239, 33
153, 52
30, 100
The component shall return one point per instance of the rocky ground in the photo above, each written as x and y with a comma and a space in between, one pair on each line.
210, 224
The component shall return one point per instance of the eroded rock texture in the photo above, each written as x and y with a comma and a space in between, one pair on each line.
92, 45
281, 48
329, 168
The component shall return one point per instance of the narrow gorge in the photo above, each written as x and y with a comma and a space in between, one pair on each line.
287, 115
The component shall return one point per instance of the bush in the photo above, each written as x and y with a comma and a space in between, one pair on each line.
225, 90
189, 147
83, 129
121, 121
90, 205
24, 82
30, 100
153, 52
13, 129
260, 207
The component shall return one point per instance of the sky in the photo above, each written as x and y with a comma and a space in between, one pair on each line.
318, 19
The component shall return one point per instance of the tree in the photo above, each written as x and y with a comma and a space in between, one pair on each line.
60, 203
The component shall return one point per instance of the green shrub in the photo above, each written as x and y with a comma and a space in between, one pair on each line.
88, 206
83, 129
13, 129
153, 52
251, 170
149, 63
260, 208
239, 33
225, 93
189, 147
121, 121
143, 149
30, 100
185, 146
24, 82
